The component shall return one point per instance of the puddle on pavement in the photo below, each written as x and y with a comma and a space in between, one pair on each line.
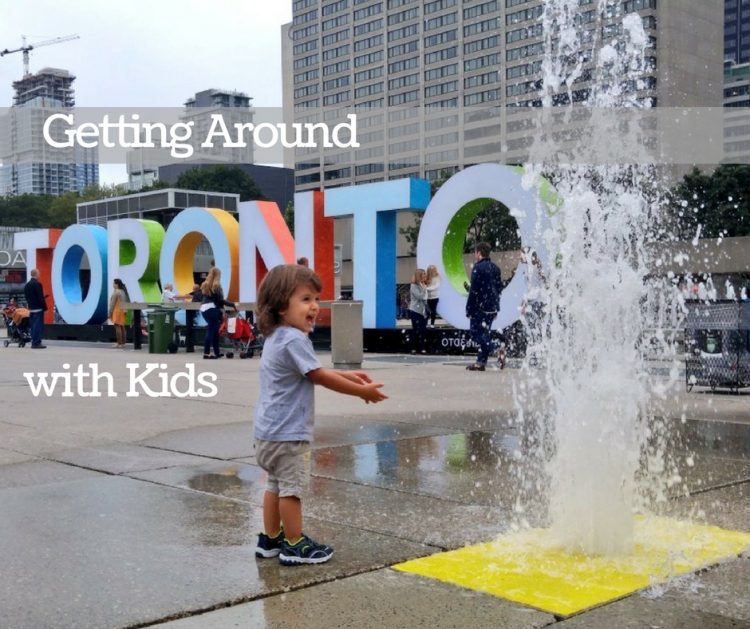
471, 468
481, 468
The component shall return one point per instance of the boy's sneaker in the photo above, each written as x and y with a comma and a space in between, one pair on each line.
269, 546
304, 551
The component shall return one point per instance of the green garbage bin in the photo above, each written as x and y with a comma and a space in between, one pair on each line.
160, 330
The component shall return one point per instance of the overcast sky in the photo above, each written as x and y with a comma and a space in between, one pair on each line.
149, 52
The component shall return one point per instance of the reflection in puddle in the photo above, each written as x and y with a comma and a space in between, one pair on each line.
486, 467
471, 468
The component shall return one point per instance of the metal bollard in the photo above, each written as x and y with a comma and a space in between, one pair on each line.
346, 334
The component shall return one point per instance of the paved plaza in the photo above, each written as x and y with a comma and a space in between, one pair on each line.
138, 511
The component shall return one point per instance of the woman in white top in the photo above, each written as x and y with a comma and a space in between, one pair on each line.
418, 311
433, 291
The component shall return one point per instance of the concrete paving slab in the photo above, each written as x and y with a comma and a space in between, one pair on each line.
425, 520
716, 438
728, 507
706, 472
719, 406
113, 552
33, 441
722, 590
38, 472
11, 456
234, 480
225, 441
440, 523
375, 600
124, 458
639, 613
120, 419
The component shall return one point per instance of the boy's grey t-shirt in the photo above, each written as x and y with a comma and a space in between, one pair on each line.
286, 405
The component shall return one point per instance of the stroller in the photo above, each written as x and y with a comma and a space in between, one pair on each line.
242, 335
17, 323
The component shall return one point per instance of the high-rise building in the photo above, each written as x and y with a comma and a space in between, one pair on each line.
737, 85
736, 103
233, 107
737, 31
736, 80
29, 164
432, 80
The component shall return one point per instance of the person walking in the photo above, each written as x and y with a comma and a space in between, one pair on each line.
288, 305
418, 311
483, 304
117, 312
37, 305
212, 310
433, 294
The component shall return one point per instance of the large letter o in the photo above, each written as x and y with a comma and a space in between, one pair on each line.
66, 265
184, 234
443, 229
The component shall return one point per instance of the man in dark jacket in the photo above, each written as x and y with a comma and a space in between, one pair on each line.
483, 303
37, 305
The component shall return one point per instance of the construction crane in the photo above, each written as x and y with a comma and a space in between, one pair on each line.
26, 49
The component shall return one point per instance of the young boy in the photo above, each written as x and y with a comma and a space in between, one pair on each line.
288, 304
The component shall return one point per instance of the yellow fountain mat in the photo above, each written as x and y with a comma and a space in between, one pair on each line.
522, 567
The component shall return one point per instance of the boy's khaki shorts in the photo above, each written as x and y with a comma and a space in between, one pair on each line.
288, 466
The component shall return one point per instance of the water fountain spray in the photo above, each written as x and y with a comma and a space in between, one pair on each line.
593, 377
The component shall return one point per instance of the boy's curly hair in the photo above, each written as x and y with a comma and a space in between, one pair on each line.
276, 289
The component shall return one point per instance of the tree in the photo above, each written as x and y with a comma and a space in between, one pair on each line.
711, 206
220, 178
25, 210
493, 224
29, 210
62, 210
156, 185
289, 216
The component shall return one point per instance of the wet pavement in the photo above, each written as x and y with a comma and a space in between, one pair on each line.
130, 512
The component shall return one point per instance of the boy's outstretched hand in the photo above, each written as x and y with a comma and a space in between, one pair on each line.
372, 393
350, 382
360, 377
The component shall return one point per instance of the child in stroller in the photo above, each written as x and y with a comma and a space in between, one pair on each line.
17, 322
